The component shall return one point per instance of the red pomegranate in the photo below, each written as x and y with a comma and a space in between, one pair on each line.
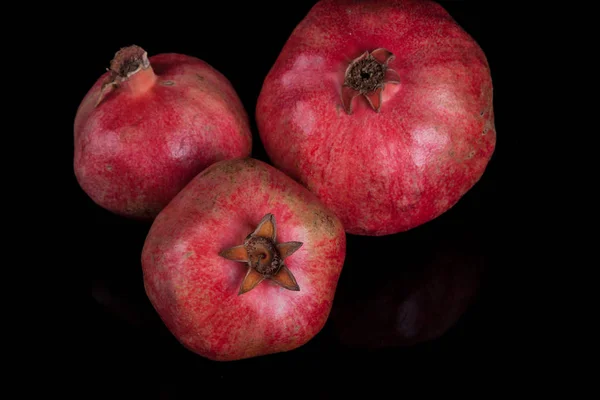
383, 109
149, 125
243, 262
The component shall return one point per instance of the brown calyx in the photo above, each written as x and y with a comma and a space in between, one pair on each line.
365, 75
126, 63
263, 255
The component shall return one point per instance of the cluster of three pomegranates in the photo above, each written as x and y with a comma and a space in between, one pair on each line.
380, 111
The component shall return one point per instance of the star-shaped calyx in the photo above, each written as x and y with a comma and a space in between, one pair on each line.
264, 257
367, 75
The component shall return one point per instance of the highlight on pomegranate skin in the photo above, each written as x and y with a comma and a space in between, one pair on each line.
243, 262
149, 125
383, 109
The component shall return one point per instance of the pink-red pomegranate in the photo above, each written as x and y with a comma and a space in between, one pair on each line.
243, 262
383, 109
149, 125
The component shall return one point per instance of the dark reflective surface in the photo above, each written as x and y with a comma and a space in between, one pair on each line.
413, 298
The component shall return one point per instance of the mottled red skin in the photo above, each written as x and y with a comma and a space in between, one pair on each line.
133, 153
195, 291
386, 172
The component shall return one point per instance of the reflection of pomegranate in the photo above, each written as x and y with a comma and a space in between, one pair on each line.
416, 301
383, 108
243, 262
149, 125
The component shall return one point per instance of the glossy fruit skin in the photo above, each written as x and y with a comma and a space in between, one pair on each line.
134, 152
195, 291
391, 171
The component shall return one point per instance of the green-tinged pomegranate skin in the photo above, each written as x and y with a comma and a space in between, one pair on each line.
196, 291
424, 143
139, 142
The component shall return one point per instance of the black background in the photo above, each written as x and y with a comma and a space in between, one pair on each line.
130, 352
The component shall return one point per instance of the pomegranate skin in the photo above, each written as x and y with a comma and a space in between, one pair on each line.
431, 141
195, 291
144, 141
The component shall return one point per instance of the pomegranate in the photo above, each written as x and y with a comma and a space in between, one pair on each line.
417, 301
383, 109
243, 262
149, 125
